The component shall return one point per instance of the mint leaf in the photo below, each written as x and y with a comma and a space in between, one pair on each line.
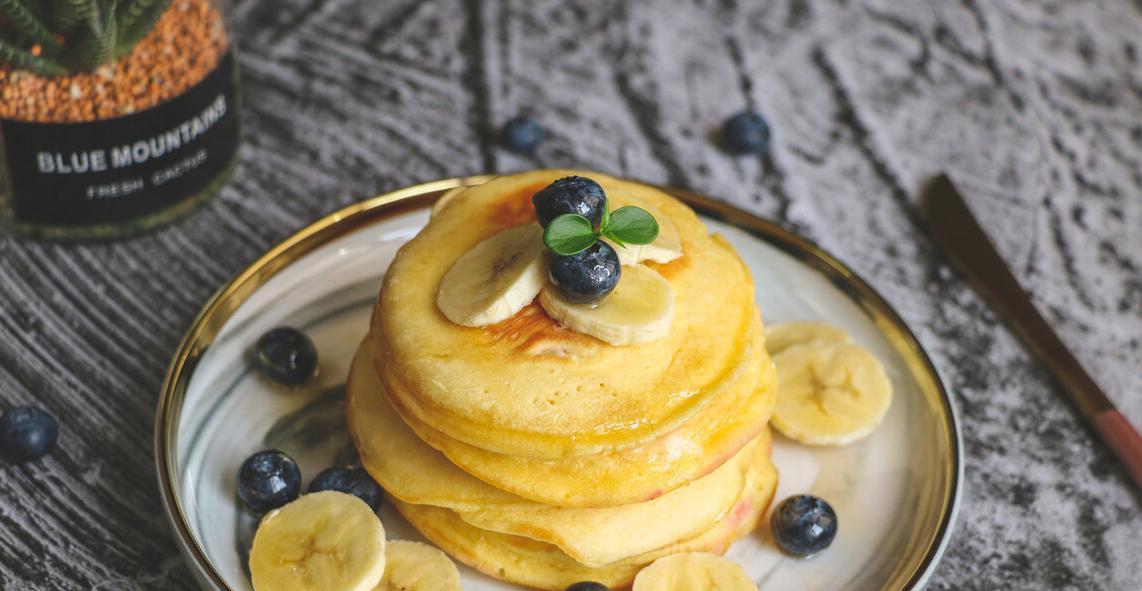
632, 224
568, 234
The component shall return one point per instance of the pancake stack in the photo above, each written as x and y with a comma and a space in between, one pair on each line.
542, 456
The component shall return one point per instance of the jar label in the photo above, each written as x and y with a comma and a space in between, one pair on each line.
115, 170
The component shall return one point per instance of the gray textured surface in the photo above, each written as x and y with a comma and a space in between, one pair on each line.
1035, 108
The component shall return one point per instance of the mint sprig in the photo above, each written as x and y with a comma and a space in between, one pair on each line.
572, 233
568, 234
632, 225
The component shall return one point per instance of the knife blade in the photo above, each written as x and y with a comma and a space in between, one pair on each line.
965, 244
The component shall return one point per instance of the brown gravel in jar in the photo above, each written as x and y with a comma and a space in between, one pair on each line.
184, 46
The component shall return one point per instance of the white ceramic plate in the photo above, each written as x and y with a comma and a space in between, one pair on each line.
895, 493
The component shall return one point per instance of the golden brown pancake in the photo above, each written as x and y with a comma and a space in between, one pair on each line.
412, 471
543, 456
540, 565
530, 388
632, 475
598, 537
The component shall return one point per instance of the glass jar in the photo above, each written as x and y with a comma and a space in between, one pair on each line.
116, 116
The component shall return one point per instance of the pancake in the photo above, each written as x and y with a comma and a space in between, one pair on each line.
412, 471
540, 565
534, 389
632, 475
589, 536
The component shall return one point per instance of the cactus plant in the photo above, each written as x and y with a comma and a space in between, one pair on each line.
58, 37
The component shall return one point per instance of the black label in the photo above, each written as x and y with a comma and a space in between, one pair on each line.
115, 170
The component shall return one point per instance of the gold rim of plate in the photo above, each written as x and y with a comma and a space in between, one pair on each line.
231, 296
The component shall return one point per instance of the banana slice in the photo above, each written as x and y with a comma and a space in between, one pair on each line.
639, 310
829, 393
665, 248
780, 337
496, 279
326, 541
444, 199
413, 566
693, 571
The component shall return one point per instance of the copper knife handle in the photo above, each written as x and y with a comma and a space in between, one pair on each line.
963, 241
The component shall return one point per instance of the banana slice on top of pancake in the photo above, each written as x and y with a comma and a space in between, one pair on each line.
639, 310
693, 571
496, 279
829, 393
325, 541
413, 566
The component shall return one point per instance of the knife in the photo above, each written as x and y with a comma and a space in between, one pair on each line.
967, 247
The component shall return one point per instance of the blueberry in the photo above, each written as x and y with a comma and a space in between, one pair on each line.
746, 133
27, 433
804, 525
286, 355
588, 276
522, 134
267, 480
354, 481
587, 586
573, 194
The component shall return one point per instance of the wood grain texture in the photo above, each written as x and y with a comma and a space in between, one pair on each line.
1034, 108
